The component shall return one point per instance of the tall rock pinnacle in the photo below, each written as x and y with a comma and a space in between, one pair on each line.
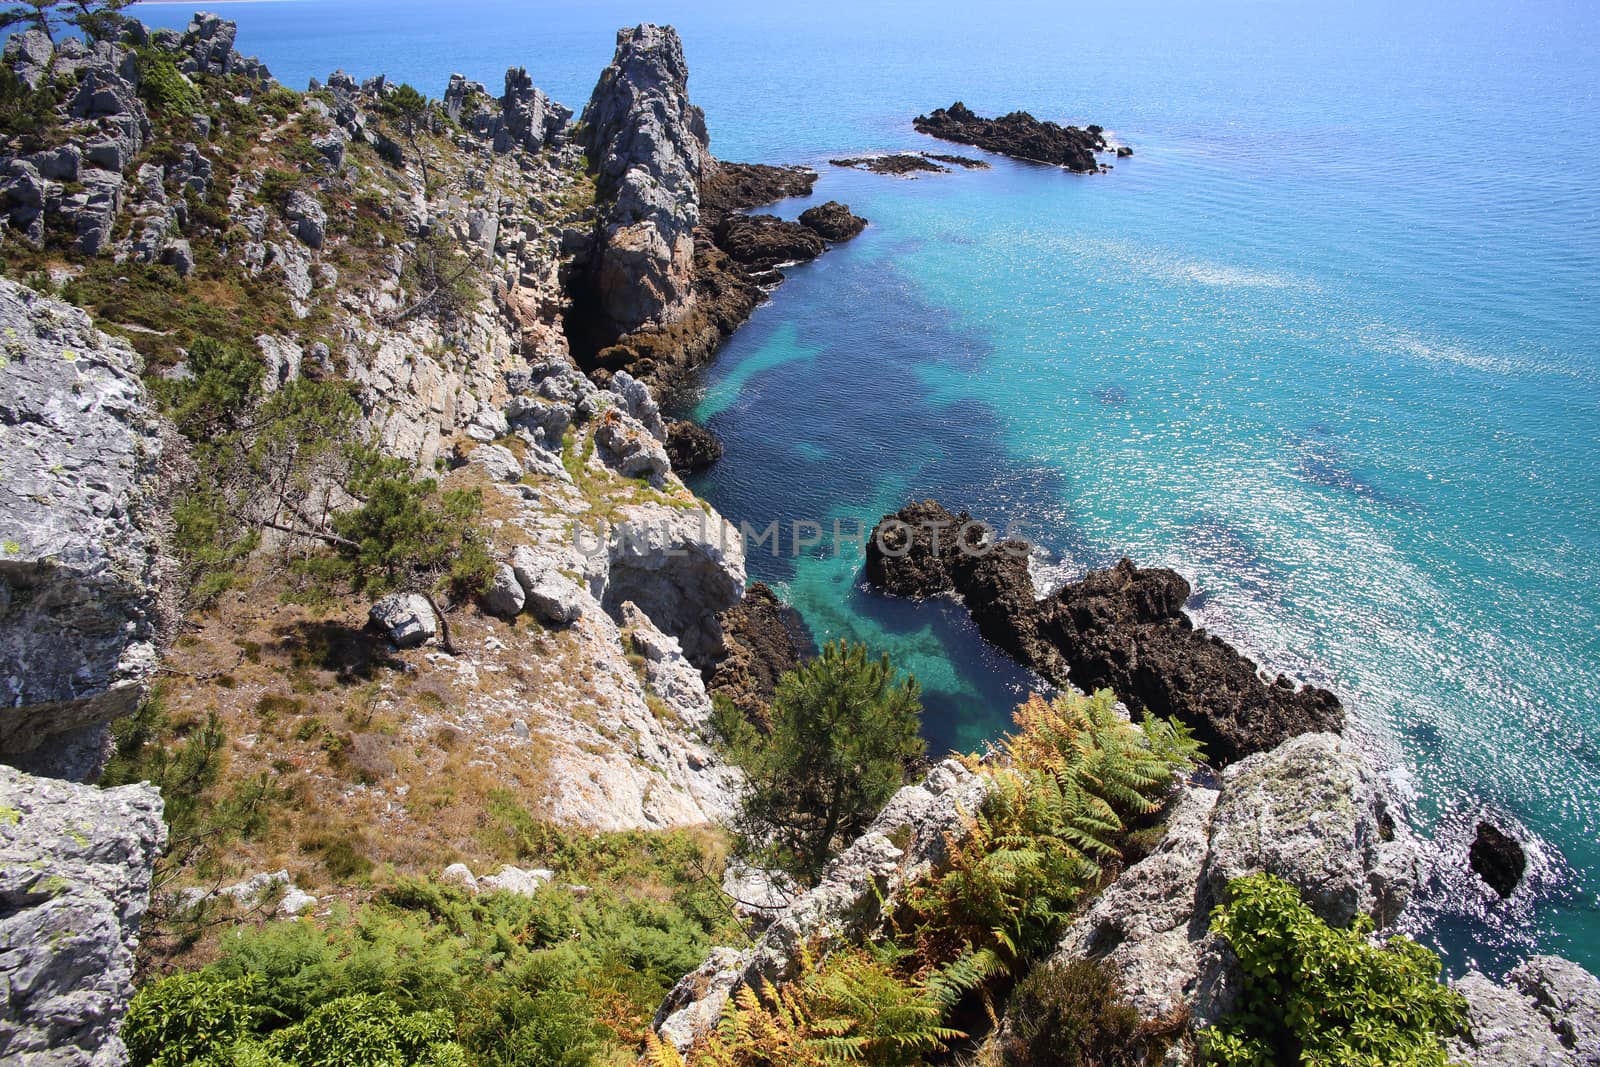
648, 146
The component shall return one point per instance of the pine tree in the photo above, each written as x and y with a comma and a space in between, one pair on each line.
844, 731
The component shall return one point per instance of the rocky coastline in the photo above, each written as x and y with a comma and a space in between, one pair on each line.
1021, 136
1122, 629
574, 692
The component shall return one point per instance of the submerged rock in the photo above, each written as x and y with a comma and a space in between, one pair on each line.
1018, 135
901, 164
78, 552
76, 864
1497, 858
1122, 629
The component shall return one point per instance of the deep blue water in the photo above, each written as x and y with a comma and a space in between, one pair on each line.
1329, 344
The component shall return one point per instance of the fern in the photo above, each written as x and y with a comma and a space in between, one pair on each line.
1077, 773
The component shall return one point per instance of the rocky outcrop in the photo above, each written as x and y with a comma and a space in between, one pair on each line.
765, 241
900, 164
691, 447
833, 221
1547, 1013
1018, 135
78, 553
763, 638
1150, 924
1122, 629
1312, 812
648, 146
682, 567
726, 188
75, 871
1497, 858
908, 840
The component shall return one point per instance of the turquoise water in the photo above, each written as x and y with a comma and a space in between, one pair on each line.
1329, 344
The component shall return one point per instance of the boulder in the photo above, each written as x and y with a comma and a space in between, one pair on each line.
28, 54
1313, 813
498, 463
691, 447
1497, 858
407, 619
554, 597
504, 597
832, 221
1569, 997
629, 448
648, 146
307, 220
79, 560
693, 1006
509, 879
76, 864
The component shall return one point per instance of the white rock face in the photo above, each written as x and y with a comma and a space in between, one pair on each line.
1313, 813
1547, 1013
78, 558
75, 871
1149, 922
681, 567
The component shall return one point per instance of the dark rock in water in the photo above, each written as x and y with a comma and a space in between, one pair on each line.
763, 638
1123, 151
1018, 135
730, 187
1122, 629
966, 162
766, 240
691, 447
904, 163
833, 221
1498, 858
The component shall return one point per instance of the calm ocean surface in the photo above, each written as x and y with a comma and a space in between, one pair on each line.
1329, 344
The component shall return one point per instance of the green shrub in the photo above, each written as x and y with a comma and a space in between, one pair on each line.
844, 731
164, 88
186, 1018
1315, 994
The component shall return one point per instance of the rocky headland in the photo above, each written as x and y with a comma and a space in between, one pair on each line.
1021, 136
1123, 629
200, 265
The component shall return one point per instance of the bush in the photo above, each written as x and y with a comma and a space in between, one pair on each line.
1316, 994
844, 731
164, 88
1071, 1014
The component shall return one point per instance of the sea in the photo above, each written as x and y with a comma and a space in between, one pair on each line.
1328, 344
